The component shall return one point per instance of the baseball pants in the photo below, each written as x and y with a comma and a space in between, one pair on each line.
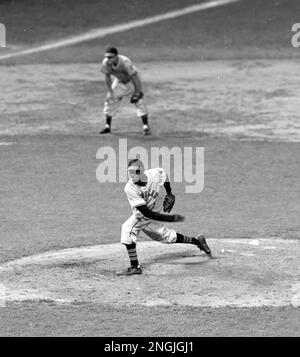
153, 229
121, 90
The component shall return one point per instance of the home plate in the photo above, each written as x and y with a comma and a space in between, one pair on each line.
242, 274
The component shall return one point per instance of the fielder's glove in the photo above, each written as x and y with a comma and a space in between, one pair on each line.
169, 202
136, 97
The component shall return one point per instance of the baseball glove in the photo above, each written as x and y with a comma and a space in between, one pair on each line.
136, 97
169, 202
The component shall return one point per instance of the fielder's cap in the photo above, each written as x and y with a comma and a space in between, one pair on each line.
111, 51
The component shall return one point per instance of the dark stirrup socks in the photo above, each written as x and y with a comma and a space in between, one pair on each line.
185, 239
131, 250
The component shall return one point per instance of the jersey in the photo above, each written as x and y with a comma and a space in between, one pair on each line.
123, 70
150, 195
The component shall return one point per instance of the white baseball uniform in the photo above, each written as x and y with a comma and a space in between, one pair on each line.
122, 85
152, 196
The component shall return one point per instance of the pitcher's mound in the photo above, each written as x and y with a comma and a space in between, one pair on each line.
244, 272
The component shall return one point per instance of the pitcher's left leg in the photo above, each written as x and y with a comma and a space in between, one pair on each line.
159, 232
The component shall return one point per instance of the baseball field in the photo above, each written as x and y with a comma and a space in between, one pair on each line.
224, 78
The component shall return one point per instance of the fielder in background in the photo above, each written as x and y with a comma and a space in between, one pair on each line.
126, 82
147, 199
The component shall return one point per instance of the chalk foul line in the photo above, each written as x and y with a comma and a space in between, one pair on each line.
102, 32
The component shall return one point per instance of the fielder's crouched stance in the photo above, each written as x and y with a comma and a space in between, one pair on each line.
147, 199
122, 79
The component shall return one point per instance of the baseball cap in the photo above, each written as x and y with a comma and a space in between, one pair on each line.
135, 165
111, 51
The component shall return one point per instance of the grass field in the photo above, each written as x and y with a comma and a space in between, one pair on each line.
248, 29
225, 79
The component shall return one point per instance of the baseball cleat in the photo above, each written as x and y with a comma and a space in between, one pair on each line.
106, 130
203, 245
130, 271
146, 131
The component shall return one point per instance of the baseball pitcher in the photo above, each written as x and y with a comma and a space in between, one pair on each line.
149, 193
123, 80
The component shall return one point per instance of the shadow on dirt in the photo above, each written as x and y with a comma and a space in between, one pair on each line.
178, 259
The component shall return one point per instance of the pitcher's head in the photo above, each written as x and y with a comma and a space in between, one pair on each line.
135, 169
